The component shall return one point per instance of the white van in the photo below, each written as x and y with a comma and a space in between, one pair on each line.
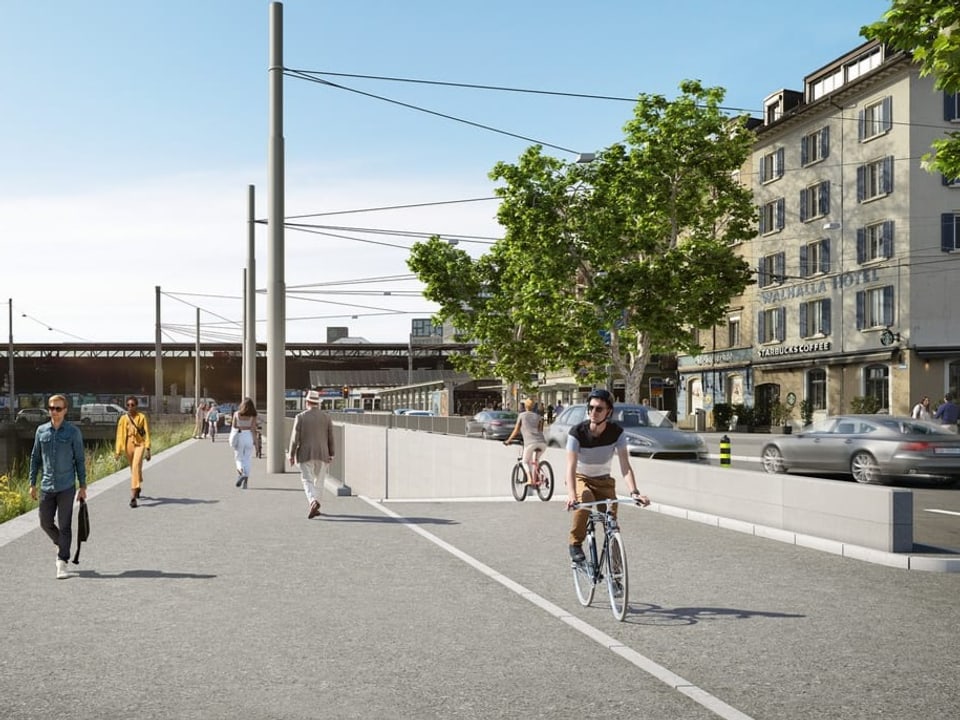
100, 414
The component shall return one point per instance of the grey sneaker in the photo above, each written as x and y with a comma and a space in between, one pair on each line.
62, 569
576, 554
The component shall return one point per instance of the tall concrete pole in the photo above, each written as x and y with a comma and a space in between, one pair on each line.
13, 394
196, 369
276, 317
158, 367
250, 316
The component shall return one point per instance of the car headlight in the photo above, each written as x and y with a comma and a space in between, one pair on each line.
639, 441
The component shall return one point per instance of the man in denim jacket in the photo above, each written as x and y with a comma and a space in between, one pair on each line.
58, 457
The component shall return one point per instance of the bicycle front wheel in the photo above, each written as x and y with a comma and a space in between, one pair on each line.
583, 580
518, 482
545, 488
616, 558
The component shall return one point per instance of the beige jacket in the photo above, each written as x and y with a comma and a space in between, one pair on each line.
312, 437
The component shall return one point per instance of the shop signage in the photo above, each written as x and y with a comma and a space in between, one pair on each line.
794, 349
819, 287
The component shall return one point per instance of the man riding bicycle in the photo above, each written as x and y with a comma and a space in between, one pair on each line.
591, 446
530, 426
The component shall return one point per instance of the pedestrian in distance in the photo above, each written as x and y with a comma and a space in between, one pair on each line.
591, 446
200, 428
133, 440
312, 447
921, 411
948, 413
213, 417
58, 458
243, 428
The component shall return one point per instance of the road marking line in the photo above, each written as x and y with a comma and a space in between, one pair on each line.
942, 512
698, 695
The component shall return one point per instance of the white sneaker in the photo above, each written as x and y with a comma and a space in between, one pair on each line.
62, 569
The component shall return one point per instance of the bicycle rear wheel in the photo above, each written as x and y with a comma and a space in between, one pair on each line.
583, 572
617, 576
518, 482
545, 488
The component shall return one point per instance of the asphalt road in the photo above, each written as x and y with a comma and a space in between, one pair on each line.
936, 509
213, 602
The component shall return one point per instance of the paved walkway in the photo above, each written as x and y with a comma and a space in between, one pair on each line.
212, 602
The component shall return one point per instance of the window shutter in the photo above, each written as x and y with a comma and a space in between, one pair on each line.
861, 245
888, 239
761, 274
825, 316
779, 266
804, 332
861, 183
887, 120
861, 299
762, 170
763, 220
825, 255
825, 142
825, 197
778, 169
803, 205
781, 204
887, 174
804, 270
803, 149
761, 326
861, 126
888, 305
948, 242
782, 323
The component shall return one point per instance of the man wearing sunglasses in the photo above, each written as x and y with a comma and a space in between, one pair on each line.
58, 458
591, 446
133, 439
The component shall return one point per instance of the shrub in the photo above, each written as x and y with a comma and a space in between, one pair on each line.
864, 405
722, 414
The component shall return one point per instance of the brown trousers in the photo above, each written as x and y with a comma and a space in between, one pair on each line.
590, 489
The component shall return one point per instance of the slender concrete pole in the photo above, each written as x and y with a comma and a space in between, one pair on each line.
250, 317
276, 317
196, 369
13, 394
158, 366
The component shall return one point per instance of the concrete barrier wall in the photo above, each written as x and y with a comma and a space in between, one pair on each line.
397, 464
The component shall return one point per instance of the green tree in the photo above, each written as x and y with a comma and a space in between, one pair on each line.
930, 31
606, 263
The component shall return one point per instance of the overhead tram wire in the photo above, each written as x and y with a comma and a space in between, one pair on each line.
387, 207
418, 234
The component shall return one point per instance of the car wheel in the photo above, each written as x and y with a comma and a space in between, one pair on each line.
772, 460
85, 421
865, 469
483, 434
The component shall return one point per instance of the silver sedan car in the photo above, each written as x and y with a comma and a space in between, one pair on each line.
872, 448
649, 433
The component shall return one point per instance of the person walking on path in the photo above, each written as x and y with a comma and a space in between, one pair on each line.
133, 440
242, 430
58, 458
312, 447
213, 417
948, 413
921, 411
200, 429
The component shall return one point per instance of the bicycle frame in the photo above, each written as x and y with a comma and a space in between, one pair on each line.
609, 565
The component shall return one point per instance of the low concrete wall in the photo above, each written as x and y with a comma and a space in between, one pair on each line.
394, 464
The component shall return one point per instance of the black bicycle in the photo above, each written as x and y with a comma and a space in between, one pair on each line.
609, 564
520, 482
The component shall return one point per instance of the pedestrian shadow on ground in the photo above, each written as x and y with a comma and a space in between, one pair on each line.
126, 574
147, 501
649, 614
386, 519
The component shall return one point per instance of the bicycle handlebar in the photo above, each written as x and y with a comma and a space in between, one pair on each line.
616, 501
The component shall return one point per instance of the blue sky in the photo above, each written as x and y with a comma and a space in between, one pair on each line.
131, 131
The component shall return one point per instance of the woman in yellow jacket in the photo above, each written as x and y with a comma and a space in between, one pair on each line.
133, 438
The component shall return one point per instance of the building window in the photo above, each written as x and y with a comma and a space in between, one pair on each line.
815, 201
875, 119
424, 327
863, 63
771, 216
815, 318
950, 232
876, 384
875, 179
815, 258
771, 325
815, 146
817, 388
875, 242
951, 107
827, 84
771, 166
770, 271
950, 182
875, 308
733, 331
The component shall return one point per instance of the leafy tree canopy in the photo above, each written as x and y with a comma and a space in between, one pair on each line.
930, 31
603, 264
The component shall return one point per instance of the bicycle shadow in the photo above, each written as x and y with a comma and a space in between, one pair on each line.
650, 614
333, 517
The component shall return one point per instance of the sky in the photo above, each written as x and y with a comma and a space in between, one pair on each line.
131, 130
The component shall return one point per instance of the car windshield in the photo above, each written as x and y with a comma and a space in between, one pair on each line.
503, 415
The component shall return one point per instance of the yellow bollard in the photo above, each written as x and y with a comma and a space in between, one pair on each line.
724, 451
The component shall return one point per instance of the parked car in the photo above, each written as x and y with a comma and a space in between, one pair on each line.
871, 448
492, 424
33, 416
422, 413
100, 413
401, 411
649, 432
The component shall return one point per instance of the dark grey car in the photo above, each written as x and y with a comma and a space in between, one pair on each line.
649, 433
871, 448
492, 424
